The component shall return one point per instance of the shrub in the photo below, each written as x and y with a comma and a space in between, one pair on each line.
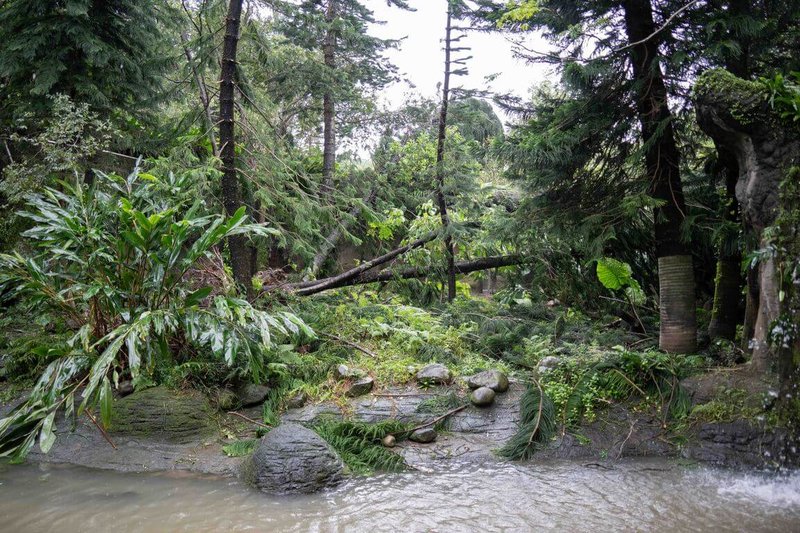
114, 260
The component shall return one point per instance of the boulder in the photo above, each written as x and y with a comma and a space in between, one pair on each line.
345, 372
482, 397
292, 459
361, 387
434, 374
251, 394
164, 415
297, 400
423, 435
548, 363
493, 379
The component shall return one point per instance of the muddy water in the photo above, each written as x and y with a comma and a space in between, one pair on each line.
631, 496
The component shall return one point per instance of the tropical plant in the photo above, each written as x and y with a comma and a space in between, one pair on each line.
117, 260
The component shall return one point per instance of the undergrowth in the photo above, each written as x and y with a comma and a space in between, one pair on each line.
359, 444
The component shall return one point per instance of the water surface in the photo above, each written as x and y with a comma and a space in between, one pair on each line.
566, 496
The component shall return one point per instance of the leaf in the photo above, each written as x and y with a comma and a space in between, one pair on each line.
613, 274
47, 436
106, 399
197, 296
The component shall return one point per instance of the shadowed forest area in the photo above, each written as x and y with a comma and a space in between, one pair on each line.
213, 221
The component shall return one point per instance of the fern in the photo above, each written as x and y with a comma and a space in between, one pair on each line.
240, 448
359, 444
537, 427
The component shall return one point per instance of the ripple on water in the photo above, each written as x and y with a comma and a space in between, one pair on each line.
630, 496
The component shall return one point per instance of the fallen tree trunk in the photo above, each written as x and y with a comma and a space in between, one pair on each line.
461, 267
341, 279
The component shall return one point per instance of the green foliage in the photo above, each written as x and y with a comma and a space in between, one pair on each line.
109, 55
240, 448
359, 444
115, 261
538, 425
784, 95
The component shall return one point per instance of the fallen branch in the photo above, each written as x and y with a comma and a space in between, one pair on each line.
256, 422
437, 419
462, 267
349, 343
102, 431
341, 279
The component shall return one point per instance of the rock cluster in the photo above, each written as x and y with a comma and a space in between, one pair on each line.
485, 387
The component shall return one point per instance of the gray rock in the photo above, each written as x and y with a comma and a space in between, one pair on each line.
423, 435
434, 374
297, 400
163, 415
345, 372
494, 379
361, 387
292, 459
548, 363
482, 397
125, 388
251, 394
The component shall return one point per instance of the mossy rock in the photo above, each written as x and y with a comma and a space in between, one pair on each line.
165, 415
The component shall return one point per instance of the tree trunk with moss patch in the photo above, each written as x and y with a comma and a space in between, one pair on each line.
736, 114
728, 281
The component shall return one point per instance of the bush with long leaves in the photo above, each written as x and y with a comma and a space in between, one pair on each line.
115, 259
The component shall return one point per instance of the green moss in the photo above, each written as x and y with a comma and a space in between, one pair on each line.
163, 414
744, 99
729, 405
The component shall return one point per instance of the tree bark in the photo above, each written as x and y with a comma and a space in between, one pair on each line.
662, 161
328, 104
231, 196
354, 272
461, 267
449, 250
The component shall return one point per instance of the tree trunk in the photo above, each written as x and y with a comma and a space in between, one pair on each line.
240, 258
461, 267
328, 105
728, 281
385, 258
662, 162
449, 250
751, 301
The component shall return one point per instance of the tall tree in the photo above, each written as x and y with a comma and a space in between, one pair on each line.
353, 65
231, 194
662, 164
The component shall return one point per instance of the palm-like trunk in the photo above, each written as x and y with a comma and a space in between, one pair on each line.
662, 159
240, 257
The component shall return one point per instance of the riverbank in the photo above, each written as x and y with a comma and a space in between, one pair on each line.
173, 438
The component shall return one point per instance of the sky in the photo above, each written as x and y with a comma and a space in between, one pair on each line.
420, 57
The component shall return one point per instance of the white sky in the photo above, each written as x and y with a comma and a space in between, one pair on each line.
420, 58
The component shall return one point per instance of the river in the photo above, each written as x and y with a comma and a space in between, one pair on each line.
631, 495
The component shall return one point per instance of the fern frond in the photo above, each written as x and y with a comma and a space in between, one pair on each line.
537, 426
